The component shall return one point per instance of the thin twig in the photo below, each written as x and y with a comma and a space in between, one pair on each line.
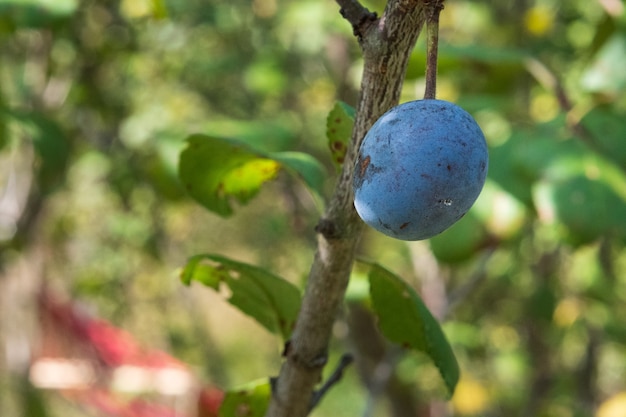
336, 376
550, 81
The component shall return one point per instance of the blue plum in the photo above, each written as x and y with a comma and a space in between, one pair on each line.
420, 168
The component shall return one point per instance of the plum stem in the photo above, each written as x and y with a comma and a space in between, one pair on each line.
432, 42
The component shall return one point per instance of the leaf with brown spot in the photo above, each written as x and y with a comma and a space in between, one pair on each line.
339, 131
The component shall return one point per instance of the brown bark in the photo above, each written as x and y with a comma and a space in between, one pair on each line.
386, 43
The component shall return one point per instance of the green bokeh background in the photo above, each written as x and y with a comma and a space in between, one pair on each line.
98, 96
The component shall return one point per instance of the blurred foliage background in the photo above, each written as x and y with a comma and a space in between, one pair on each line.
97, 96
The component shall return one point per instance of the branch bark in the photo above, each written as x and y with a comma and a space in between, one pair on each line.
386, 43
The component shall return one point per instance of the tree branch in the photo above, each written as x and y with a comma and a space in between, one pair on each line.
358, 15
386, 43
336, 376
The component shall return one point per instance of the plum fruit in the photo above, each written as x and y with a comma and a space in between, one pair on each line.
420, 168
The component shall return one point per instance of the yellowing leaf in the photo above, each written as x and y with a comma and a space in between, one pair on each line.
244, 180
215, 171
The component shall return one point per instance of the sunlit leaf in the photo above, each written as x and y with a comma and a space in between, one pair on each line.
267, 298
606, 72
243, 181
502, 214
216, 171
339, 131
209, 275
250, 400
358, 290
404, 319
35, 13
159, 9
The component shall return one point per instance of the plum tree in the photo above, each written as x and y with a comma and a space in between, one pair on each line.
420, 168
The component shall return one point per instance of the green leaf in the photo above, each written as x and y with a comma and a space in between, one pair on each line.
35, 14
215, 171
502, 215
268, 135
504, 170
51, 145
158, 164
583, 193
309, 169
609, 132
270, 300
604, 74
33, 400
588, 208
339, 125
542, 303
461, 241
209, 275
404, 319
251, 400
159, 9
483, 53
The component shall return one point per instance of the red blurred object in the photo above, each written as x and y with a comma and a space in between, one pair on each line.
209, 402
89, 361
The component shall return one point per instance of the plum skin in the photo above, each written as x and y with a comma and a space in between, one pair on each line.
420, 168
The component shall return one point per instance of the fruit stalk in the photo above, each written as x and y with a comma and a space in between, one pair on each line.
432, 46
